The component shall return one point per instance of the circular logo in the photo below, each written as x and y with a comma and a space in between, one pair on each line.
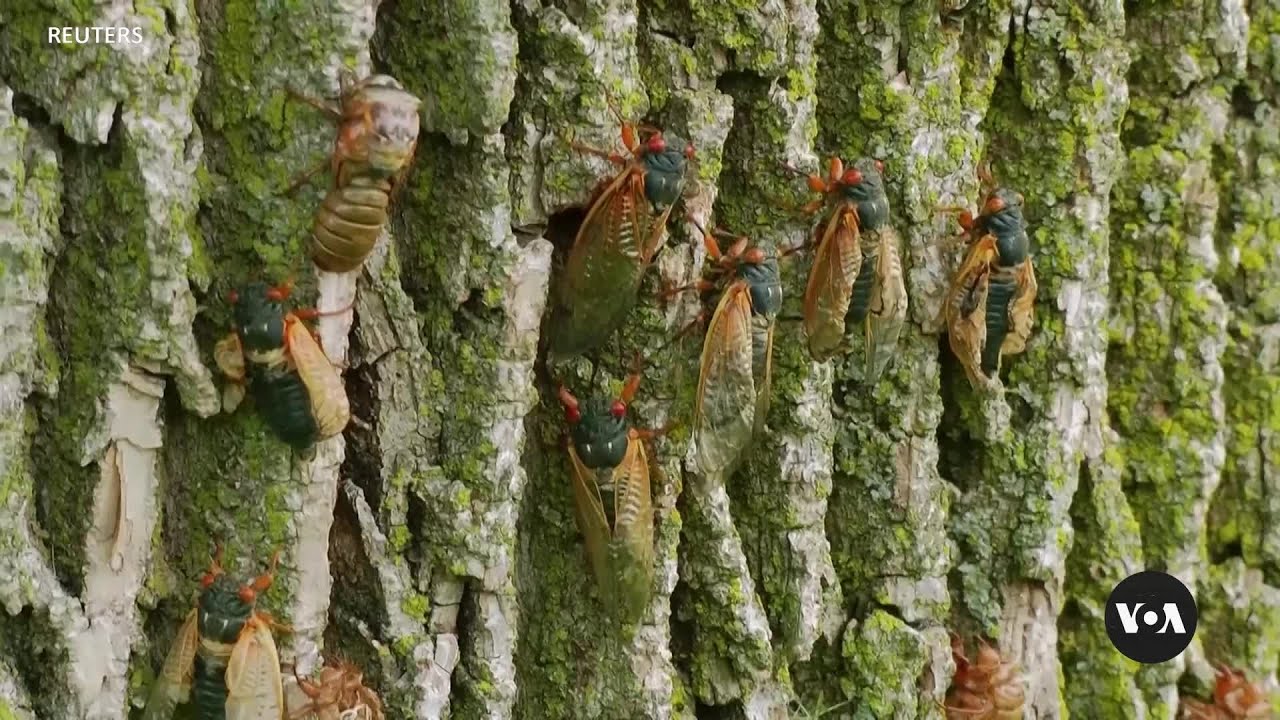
1151, 617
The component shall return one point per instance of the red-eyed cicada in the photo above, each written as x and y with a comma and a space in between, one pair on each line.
624, 228
377, 135
988, 688
339, 693
294, 386
733, 393
990, 307
857, 277
611, 497
224, 660
1234, 698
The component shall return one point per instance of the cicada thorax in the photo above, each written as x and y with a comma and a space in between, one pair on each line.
295, 388
990, 308
612, 502
376, 140
734, 383
624, 228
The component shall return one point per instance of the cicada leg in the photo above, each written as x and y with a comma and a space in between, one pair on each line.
332, 112
305, 177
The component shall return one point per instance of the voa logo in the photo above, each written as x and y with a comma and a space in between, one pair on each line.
1151, 617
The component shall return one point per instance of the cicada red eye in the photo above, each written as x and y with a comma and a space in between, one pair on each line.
248, 595
619, 409
275, 294
233, 297
880, 166
656, 144
852, 176
690, 151
207, 580
572, 415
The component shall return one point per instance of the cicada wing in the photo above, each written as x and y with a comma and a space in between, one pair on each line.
602, 274
888, 311
965, 308
173, 684
254, 687
228, 354
1021, 311
826, 297
633, 530
592, 522
762, 359
725, 406
329, 402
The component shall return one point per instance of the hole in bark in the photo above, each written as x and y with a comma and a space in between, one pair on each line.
356, 593
718, 712
739, 83
363, 462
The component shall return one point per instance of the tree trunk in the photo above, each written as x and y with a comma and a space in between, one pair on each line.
434, 542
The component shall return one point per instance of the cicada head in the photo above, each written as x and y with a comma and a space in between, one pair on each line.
600, 432
259, 317
223, 612
1002, 211
665, 161
864, 184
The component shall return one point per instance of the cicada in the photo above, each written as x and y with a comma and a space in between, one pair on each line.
857, 274
733, 395
377, 136
989, 688
1234, 698
623, 230
990, 307
338, 694
295, 387
224, 660
611, 497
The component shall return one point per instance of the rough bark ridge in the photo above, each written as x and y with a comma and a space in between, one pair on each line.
434, 543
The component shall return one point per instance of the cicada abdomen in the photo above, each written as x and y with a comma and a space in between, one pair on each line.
224, 660
612, 501
377, 135
296, 389
339, 693
623, 230
989, 688
990, 307
857, 278
736, 368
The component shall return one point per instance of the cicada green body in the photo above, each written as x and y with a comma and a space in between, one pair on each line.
612, 501
377, 136
857, 278
624, 228
296, 389
990, 307
224, 660
734, 381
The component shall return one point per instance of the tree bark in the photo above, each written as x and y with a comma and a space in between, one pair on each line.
434, 542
